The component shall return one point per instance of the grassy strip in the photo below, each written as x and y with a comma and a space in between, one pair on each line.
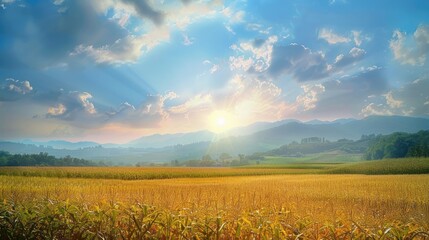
380, 167
132, 173
385, 166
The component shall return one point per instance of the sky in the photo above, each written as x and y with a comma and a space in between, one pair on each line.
115, 70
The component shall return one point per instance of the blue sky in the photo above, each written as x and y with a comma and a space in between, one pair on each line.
114, 70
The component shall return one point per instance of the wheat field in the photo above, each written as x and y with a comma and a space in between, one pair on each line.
245, 207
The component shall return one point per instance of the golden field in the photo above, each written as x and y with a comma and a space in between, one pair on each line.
246, 207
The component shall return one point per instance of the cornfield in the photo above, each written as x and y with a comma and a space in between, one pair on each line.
242, 207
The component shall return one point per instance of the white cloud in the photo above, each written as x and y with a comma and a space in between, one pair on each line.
412, 51
300, 62
13, 89
310, 96
21, 87
188, 14
254, 100
343, 97
75, 107
410, 99
150, 113
357, 37
375, 109
354, 55
128, 49
332, 38
56, 110
391, 101
125, 50
196, 103
233, 16
259, 51
140, 8
258, 28
240, 63
214, 68
58, 2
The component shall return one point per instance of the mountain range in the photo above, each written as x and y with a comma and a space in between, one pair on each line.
261, 136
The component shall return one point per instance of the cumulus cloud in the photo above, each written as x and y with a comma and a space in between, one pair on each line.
150, 113
273, 60
145, 10
252, 98
124, 50
354, 55
200, 102
233, 16
191, 12
57, 110
410, 99
411, 50
52, 35
310, 96
142, 9
298, 61
75, 107
240, 63
98, 29
355, 36
342, 97
13, 89
259, 51
332, 38
375, 109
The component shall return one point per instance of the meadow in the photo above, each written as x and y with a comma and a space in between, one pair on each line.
214, 203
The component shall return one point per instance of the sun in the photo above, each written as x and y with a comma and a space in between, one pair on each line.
220, 121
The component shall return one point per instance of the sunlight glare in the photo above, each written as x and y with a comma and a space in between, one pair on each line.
220, 121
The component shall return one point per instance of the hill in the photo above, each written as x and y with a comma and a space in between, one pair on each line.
184, 146
399, 145
164, 140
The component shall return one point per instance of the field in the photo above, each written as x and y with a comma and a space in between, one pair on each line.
216, 203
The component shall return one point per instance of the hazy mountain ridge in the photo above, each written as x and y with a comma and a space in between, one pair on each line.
165, 140
195, 144
61, 144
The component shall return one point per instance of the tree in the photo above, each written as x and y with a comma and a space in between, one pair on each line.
206, 157
224, 156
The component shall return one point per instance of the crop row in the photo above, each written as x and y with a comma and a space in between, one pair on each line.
63, 220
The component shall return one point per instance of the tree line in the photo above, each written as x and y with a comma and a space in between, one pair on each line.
41, 159
399, 145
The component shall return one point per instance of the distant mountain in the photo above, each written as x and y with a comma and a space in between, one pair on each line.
256, 127
352, 129
340, 120
185, 146
164, 140
385, 125
59, 144
295, 131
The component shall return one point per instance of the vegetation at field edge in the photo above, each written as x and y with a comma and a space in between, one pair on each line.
385, 166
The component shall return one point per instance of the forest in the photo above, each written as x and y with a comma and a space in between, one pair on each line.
41, 159
399, 145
